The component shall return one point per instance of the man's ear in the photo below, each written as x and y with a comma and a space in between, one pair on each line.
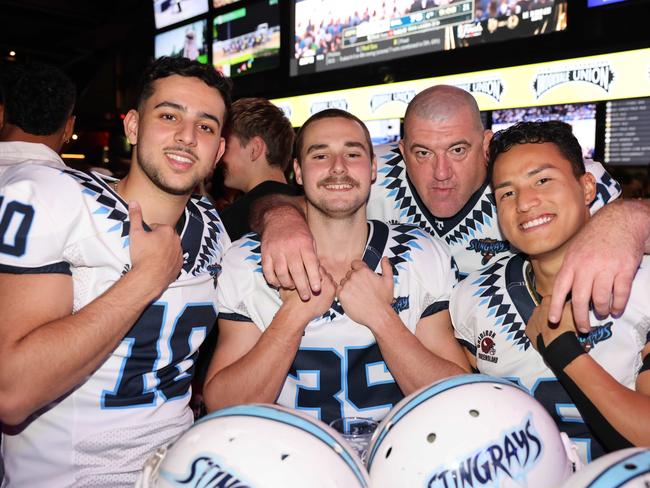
373, 169
588, 183
220, 151
69, 128
297, 171
131, 124
487, 137
257, 148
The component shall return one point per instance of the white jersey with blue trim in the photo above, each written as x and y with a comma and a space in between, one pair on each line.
339, 370
100, 433
490, 309
473, 234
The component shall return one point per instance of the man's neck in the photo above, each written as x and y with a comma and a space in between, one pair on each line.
158, 206
338, 241
12, 133
271, 173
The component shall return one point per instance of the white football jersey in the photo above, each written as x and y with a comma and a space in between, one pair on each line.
100, 434
490, 309
473, 234
339, 370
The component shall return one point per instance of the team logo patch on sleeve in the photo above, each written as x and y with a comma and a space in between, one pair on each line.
486, 346
597, 334
488, 248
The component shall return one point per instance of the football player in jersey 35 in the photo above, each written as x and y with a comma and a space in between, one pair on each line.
107, 289
436, 179
385, 291
596, 385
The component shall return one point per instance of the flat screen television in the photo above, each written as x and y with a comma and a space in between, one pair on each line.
581, 116
222, 3
247, 40
189, 41
330, 34
599, 3
169, 12
627, 132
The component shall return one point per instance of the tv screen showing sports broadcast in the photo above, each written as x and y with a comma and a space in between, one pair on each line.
581, 117
223, 3
168, 12
247, 40
330, 34
188, 41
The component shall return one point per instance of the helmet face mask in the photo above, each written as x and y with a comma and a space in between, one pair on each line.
256, 445
471, 430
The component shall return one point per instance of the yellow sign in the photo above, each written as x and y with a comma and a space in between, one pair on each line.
593, 78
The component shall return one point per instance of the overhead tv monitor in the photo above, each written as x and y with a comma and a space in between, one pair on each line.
168, 12
383, 131
627, 132
598, 3
247, 40
581, 117
188, 41
223, 3
330, 34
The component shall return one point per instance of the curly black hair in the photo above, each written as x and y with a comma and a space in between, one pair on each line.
38, 98
169, 66
554, 131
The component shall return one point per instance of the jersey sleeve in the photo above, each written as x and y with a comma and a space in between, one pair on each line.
40, 208
607, 188
436, 272
462, 309
234, 284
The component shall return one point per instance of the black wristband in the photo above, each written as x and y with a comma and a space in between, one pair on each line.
561, 351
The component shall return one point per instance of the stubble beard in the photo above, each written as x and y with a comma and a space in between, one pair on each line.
156, 177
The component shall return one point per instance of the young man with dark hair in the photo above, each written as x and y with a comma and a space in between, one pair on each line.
367, 339
259, 144
596, 385
107, 289
38, 104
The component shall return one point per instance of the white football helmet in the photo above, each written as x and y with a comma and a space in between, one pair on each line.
471, 430
255, 446
627, 468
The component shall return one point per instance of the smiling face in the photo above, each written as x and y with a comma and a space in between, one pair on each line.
541, 204
445, 159
336, 168
177, 132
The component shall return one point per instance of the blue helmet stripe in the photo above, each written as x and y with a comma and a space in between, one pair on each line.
636, 464
272, 413
402, 409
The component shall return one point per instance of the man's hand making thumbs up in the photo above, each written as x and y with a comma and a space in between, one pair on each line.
157, 253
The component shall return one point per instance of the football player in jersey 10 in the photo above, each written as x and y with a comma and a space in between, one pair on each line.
107, 289
597, 384
342, 353
437, 179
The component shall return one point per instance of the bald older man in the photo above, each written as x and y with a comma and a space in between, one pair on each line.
437, 179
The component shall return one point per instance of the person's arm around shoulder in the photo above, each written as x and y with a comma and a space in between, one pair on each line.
45, 346
289, 257
601, 261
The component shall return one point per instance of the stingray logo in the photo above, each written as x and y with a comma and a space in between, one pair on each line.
341, 104
488, 248
383, 98
600, 75
492, 88
486, 347
206, 473
512, 456
597, 334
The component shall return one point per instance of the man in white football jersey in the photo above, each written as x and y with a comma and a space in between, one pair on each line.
342, 353
107, 289
440, 185
595, 385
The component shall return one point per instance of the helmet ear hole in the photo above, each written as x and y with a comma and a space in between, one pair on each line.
630, 466
388, 451
431, 438
284, 456
474, 413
